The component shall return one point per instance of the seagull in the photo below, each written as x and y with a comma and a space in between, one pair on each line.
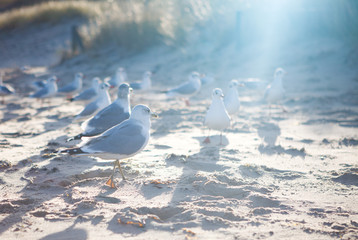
113, 114
102, 101
73, 87
90, 93
119, 77
39, 84
5, 89
119, 142
275, 92
187, 89
207, 79
145, 84
231, 100
48, 91
217, 117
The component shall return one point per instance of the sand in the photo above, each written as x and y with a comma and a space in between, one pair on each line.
278, 175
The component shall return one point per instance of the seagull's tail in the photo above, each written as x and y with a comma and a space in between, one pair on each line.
72, 151
77, 137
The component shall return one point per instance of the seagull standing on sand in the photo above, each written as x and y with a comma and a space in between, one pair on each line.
231, 100
48, 91
5, 89
73, 87
113, 114
186, 89
102, 101
90, 93
275, 92
119, 142
145, 84
217, 117
119, 77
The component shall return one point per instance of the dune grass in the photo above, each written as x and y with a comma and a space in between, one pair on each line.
50, 12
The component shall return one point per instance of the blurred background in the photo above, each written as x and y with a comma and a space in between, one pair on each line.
276, 32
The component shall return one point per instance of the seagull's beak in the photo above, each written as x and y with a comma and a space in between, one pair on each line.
111, 86
154, 115
241, 85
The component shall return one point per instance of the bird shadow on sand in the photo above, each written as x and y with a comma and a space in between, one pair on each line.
269, 132
53, 181
68, 233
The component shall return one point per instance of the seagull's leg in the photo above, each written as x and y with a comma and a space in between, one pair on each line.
2, 100
269, 110
120, 169
221, 138
207, 139
283, 108
110, 181
187, 103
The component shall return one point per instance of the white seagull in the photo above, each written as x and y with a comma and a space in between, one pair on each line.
217, 117
119, 77
275, 92
119, 142
145, 84
73, 87
48, 91
5, 89
231, 100
103, 100
90, 93
113, 114
186, 89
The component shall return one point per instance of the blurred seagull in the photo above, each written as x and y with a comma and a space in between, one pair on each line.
119, 77
73, 87
207, 78
145, 84
90, 93
5, 89
103, 100
48, 91
217, 117
275, 92
113, 114
39, 84
119, 142
186, 89
231, 100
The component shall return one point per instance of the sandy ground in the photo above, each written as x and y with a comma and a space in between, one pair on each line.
279, 175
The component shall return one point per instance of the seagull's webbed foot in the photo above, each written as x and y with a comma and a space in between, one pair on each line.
187, 103
110, 182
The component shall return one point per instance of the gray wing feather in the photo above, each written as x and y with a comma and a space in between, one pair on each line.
5, 90
125, 138
105, 119
41, 93
85, 95
186, 88
68, 88
88, 110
